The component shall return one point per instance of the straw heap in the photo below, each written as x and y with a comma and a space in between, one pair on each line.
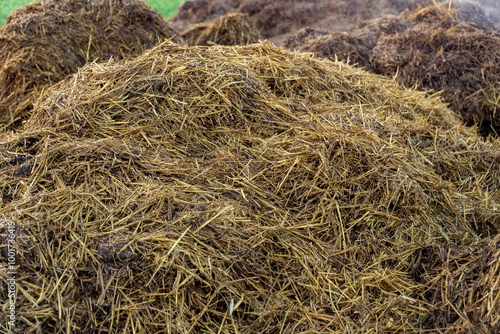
248, 189
41, 43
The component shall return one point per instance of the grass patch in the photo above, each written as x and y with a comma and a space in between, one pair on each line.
166, 8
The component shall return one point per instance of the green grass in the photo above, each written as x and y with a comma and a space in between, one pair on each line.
8, 6
167, 8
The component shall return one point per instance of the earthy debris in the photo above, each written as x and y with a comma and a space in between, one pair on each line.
440, 52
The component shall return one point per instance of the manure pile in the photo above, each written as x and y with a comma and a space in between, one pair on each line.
454, 50
41, 43
248, 190
278, 19
231, 29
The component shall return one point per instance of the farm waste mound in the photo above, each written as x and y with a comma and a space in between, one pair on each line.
231, 29
248, 188
41, 43
278, 19
454, 50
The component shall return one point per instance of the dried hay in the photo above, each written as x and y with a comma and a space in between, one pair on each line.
231, 29
241, 189
41, 43
453, 50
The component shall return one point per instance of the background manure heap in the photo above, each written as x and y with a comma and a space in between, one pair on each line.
43, 42
455, 50
278, 19
231, 29
248, 189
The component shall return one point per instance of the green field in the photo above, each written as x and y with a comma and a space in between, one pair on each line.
167, 8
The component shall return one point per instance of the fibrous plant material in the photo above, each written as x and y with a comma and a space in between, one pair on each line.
454, 50
242, 188
41, 43
231, 29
